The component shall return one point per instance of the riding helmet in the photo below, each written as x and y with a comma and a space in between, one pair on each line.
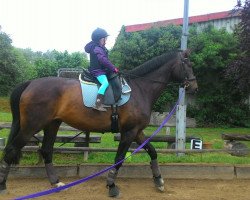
98, 34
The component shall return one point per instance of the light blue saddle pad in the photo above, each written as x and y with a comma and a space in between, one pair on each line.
89, 94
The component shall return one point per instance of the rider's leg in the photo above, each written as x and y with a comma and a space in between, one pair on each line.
104, 84
100, 96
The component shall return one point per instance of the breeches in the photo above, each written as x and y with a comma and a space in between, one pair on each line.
104, 83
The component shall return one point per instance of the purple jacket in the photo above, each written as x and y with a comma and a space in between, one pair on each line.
99, 61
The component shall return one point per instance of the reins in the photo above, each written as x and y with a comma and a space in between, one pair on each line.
156, 81
141, 77
186, 79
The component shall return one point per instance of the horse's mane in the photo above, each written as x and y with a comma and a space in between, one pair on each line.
152, 64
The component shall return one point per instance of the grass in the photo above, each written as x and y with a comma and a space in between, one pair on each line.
5, 115
4, 104
212, 135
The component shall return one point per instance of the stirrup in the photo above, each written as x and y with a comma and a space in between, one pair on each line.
125, 87
101, 108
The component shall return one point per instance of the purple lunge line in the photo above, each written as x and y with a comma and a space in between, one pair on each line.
50, 191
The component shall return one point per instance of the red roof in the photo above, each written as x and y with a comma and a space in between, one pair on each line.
179, 21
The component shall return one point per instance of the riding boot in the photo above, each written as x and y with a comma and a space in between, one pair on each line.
99, 103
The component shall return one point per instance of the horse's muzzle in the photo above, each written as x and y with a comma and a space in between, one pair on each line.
191, 86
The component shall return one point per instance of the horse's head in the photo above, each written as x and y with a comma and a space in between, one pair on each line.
183, 72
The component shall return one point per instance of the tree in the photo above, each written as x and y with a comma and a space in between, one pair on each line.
238, 71
18, 65
217, 102
48, 63
25, 66
212, 50
133, 49
8, 65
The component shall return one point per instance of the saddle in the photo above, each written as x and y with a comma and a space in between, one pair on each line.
117, 94
117, 86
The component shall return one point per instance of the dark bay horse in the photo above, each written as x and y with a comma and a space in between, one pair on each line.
43, 104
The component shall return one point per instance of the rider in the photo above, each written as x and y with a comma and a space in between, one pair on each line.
100, 64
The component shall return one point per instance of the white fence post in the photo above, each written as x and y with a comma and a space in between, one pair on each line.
181, 123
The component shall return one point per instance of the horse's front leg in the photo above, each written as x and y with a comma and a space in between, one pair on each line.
125, 142
158, 180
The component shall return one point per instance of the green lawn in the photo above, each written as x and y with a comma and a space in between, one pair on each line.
5, 117
212, 135
4, 104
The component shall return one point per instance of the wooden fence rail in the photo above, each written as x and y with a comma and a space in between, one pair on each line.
170, 139
82, 138
95, 149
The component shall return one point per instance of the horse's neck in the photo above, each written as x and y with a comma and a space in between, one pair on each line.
153, 84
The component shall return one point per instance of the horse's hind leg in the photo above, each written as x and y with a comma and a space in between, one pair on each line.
46, 151
158, 180
12, 152
4, 171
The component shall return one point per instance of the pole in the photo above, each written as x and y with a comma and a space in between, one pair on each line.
181, 108
181, 123
185, 26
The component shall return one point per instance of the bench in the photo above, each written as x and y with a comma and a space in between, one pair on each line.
235, 136
232, 143
5, 125
159, 138
79, 141
82, 140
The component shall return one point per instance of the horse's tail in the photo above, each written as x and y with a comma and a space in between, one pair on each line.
15, 110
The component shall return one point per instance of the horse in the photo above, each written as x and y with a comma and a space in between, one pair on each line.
44, 103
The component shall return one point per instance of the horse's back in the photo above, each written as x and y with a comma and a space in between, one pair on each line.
48, 94
48, 84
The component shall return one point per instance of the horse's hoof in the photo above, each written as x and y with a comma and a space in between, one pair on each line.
159, 183
161, 188
114, 191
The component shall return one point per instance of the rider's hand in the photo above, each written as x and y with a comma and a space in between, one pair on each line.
116, 70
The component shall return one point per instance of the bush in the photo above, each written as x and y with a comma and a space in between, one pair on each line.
218, 102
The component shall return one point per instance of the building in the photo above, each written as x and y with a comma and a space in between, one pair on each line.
226, 19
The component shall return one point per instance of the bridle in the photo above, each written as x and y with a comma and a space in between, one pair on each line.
187, 79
